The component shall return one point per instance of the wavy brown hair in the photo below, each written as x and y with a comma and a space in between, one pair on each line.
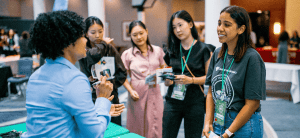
241, 17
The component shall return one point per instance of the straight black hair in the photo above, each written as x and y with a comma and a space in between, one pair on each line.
131, 26
88, 23
173, 42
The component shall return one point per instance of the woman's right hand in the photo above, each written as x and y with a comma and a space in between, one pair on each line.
134, 95
207, 128
168, 82
107, 40
104, 89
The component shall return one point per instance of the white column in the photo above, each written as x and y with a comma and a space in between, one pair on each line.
97, 8
141, 16
212, 14
38, 7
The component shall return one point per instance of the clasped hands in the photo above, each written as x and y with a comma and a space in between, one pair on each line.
104, 89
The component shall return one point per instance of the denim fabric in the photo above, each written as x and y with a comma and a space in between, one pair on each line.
252, 129
193, 119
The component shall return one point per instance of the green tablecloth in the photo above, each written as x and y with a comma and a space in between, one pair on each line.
112, 131
129, 135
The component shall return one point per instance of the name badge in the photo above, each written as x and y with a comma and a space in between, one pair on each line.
220, 110
179, 92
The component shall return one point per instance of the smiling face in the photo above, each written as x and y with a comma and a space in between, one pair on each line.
181, 28
79, 48
95, 33
228, 30
139, 35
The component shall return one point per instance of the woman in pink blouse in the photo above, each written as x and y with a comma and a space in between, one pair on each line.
145, 103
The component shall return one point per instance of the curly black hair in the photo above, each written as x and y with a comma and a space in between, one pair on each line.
54, 31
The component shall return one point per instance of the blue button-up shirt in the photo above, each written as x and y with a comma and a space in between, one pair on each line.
59, 103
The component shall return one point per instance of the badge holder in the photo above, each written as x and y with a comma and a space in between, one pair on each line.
179, 92
220, 109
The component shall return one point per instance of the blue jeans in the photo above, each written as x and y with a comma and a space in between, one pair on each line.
252, 129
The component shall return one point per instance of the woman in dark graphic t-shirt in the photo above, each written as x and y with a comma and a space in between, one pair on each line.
236, 77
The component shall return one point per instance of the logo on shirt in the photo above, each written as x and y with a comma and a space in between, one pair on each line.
225, 70
217, 89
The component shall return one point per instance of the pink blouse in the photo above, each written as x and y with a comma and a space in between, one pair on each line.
140, 66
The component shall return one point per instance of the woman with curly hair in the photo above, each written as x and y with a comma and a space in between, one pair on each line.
58, 100
97, 48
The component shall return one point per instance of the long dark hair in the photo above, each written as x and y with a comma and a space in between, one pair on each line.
138, 23
173, 42
284, 36
25, 35
241, 17
88, 23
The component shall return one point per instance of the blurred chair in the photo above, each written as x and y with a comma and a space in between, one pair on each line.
25, 68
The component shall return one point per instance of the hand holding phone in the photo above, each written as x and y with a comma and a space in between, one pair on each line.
103, 88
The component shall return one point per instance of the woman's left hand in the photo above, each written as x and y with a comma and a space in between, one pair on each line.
183, 79
116, 109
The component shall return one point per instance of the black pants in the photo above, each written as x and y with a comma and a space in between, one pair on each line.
193, 115
117, 120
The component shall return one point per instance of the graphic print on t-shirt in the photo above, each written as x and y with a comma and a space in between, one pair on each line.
217, 87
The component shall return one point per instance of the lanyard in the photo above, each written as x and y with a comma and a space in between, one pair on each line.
227, 70
183, 66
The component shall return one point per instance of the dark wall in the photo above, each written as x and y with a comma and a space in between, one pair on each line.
276, 9
17, 24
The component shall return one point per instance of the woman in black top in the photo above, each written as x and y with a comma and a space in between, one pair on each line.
295, 40
98, 47
25, 51
185, 99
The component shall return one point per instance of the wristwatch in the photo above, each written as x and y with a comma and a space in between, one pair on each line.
228, 133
